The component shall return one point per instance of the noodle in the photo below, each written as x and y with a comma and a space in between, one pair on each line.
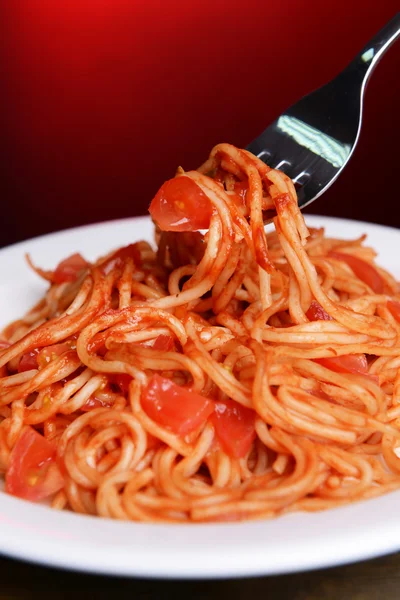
230, 375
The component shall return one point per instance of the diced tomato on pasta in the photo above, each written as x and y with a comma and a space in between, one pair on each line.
33, 473
348, 363
120, 256
48, 354
163, 343
95, 402
122, 380
39, 358
317, 313
180, 205
234, 427
29, 361
363, 270
174, 407
69, 269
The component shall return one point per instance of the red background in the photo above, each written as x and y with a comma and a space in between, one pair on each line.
104, 98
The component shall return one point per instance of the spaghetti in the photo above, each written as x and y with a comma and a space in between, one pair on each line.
230, 375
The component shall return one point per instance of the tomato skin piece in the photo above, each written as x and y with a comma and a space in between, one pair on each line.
174, 407
29, 361
97, 344
130, 251
320, 394
234, 427
394, 308
317, 313
120, 256
48, 354
162, 342
95, 402
363, 270
180, 205
69, 269
122, 380
33, 473
39, 358
348, 363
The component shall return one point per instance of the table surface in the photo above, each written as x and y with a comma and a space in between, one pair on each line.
370, 580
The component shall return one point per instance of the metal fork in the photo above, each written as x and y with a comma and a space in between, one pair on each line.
314, 139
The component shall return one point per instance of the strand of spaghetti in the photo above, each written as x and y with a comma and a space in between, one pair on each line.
225, 380
51, 373
213, 263
256, 327
255, 193
354, 385
65, 326
297, 268
229, 280
371, 325
133, 316
318, 332
304, 476
332, 350
265, 402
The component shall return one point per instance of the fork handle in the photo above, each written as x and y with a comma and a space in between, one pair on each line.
365, 62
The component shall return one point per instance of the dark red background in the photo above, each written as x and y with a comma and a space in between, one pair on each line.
104, 98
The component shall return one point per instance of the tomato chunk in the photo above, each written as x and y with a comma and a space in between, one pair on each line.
69, 269
95, 402
48, 354
97, 344
120, 256
175, 407
348, 363
317, 313
363, 270
29, 361
122, 380
319, 394
394, 308
234, 427
180, 205
163, 342
39, 358
33, 473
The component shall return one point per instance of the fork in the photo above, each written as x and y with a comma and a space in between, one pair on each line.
313, 140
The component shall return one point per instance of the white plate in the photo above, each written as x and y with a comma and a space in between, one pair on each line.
290, 543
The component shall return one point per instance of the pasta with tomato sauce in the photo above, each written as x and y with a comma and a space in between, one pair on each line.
227, 374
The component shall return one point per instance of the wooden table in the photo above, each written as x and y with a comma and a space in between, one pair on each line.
370, 580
